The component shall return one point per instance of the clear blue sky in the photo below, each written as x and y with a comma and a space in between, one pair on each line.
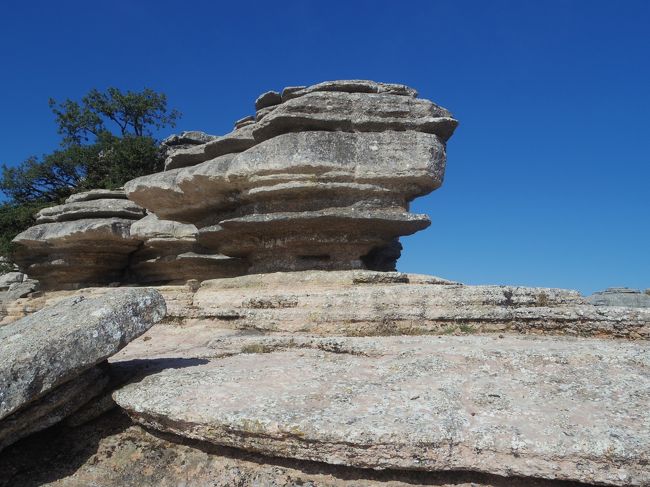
548, 175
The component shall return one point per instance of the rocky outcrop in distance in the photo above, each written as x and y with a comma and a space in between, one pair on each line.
51, 361
320, 178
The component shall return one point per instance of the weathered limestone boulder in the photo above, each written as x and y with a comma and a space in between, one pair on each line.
323, 180
621, 296
180, 142
48, 360
170, 254
83, 242
10, 278
238, 140
536, 407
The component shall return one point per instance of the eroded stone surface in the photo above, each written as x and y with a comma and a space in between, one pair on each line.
85, 241
355, 112
56, 405
621, 296
372, 303
111, 452
556, 408
54, 345
170, 253
303, 200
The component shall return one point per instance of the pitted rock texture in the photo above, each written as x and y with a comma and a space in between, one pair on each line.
542, 407
43, 383
83, 242
170, 253
53, 346
321, 180
621, 296
55, 406
375, 303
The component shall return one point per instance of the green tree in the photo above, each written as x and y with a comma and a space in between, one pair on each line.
107, 139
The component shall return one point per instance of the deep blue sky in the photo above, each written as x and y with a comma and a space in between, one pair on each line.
548, 174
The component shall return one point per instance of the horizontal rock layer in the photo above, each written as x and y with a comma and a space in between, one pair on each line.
570, 409
170, 253
372, 303
309, 200
84, 242
113, 453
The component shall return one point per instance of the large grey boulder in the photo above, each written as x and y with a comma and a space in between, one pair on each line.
621, 296
43, 357
170, 254
84, 242
534, 407
323, 181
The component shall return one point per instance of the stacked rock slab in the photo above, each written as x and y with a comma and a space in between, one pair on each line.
621, 296
51, 361
85, 241
322, 178
170, 253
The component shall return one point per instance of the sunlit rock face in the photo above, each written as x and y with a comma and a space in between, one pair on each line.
85, 241
320, 178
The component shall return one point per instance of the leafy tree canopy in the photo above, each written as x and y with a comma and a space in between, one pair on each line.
107, 139
130, 113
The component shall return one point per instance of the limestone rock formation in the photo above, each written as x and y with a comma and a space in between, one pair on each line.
48, 360
505, 406
85, 241
621, 296
170, 253
321, 180
374, 303
180, 142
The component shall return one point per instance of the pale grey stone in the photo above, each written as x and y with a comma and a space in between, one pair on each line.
96, 194
236, 141
351, 86
617, 296
55, 406
542, 407
54, 345
6, 280
355, 112
242, 122
96, 208
268, 99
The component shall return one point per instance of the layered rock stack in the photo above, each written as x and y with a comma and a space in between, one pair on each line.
320, 178
170, 254
85, 241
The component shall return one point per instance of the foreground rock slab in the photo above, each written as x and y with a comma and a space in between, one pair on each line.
542, 407
111, 452
55, 345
